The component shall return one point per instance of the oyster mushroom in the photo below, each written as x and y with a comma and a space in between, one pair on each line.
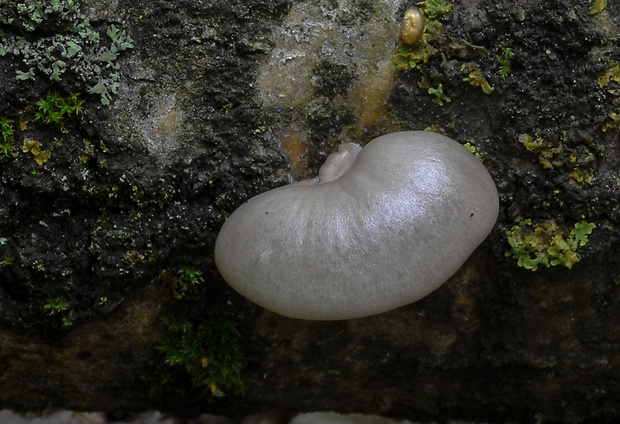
379, 228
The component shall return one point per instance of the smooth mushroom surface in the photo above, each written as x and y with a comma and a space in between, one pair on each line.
413, 26
380, 228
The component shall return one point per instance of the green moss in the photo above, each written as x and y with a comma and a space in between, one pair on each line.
505, 57
190, 274
184, 283
57, 305
547, 243
223, 202
53, 109
61, 307
6, 127
7, 146
7, 260
207, 355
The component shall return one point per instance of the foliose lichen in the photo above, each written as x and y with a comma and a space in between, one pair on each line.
611, 76
571, 151
547, 243
597, 6
612, 73
40, 155
433, 9
435, 41
476, 78
440, 96
53, 37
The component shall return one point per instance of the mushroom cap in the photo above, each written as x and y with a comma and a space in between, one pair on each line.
413, 26
392, 228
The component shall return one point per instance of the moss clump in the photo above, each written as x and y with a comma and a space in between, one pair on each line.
183, 283
7, 147
61, 307
547, 243
54, 108
506, 55
207, 355
410, 56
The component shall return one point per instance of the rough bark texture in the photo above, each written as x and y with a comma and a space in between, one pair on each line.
216, 101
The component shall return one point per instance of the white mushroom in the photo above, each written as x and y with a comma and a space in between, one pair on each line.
378, 230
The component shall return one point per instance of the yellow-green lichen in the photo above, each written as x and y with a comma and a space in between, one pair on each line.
433, 128
597, 6
440, 96
433, 9
89, 151
613, 123
559, 152
409, 55
612, 73
547, 243
472, 149
40, 156
476, 78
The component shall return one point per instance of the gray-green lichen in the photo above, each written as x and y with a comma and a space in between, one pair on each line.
53, 37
